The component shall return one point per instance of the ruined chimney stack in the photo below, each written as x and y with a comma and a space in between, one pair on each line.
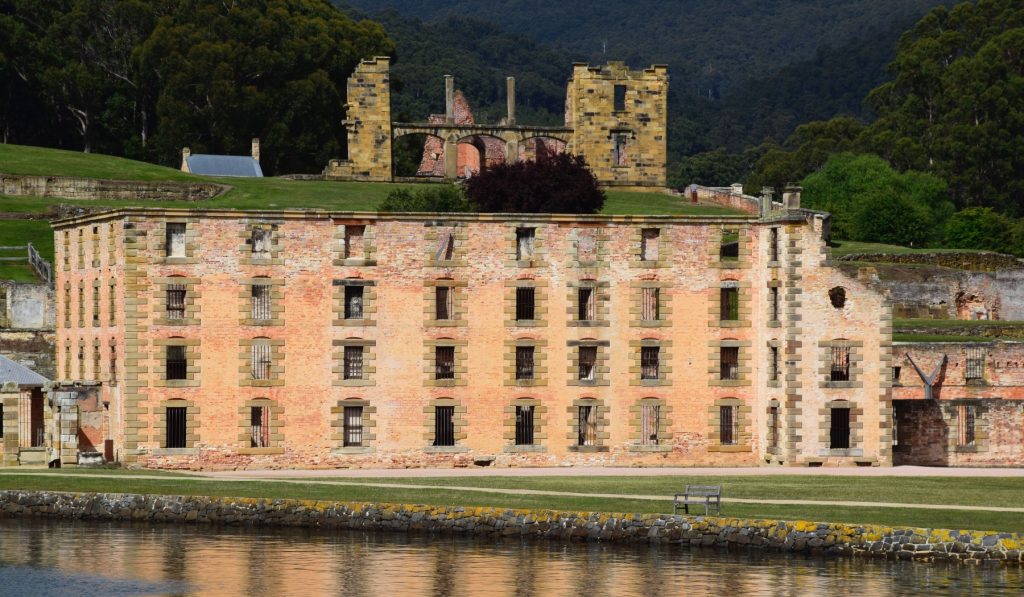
256, 149
791, 197
510, 86
449, 99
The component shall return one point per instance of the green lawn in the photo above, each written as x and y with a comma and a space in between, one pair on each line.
849, 247
19, 233
903, 337
980, 491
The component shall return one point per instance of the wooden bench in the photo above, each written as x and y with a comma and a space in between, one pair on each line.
709, 496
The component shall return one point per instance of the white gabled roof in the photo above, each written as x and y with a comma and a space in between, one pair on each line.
19, 374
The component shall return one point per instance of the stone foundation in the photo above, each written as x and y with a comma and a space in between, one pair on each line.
696, 531
67, 187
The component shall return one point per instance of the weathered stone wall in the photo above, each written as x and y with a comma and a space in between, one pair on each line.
972, 261
368, 120
67, 187
35, 349
643, 121
26, 306
308, 394
919, 544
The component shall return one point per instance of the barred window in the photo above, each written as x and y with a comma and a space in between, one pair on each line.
354, 241
587, 363
261, 359
729, 304
840, 369
649, 240
67, 306
587, 421
729, 250
839, 429
650, 304
975, 366
177, 427
261, 302
444, 303
260, 238
526, 308
96, 358
113, 363
773, 363
444, 362
354, 302
525, 239
174, 243
650, 418
965, 422
524, 362
112, 300
259, 424
444, 425
176, 363
524, 425
353, 367
773, 427
587, 304
96, 305
773, 303
175, 301
353, 430
727, 425
729, 362
773, 244
649, 361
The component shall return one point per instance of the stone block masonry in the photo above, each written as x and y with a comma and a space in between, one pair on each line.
814, 538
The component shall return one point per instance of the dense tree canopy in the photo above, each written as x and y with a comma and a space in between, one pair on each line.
558, 184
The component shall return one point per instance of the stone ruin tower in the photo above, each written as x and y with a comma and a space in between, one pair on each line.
619, 121
368, 123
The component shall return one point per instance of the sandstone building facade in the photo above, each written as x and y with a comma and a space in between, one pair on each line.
615, 117
307, 338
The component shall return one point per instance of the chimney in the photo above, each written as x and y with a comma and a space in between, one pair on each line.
256, 149
185, 153
449, 99
791, 197
510, 86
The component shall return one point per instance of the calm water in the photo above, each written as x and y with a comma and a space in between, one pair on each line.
41, 558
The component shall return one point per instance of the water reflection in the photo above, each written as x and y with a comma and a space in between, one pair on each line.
101, 559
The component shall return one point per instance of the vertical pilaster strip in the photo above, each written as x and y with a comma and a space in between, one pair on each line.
136, 339
792, 425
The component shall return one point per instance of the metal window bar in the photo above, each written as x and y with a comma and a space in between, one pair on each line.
261, 302
354, 241
524, 425
95, 306
175, 301
965, 423
444, 362
525, 304
444, 425
587, 363
839, 430
975, 365
525, 238
353, 426
444, 303
774, 298
176, 427
524, 362
729, 362
840, 370
354, 302
353, 368
177, 364
773, 427
587, 422
650, 309
773, 244
174, 244
261, 243
259, 421
650, 357
727, 424
649, 240
261, 360
650, 419
587, 304
729, 304
773, 363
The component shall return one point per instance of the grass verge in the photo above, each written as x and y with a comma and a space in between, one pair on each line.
849, 247
982, 491
901, 337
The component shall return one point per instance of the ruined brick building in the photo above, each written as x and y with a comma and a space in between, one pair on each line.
615, 117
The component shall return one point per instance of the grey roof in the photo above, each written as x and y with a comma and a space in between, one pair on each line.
19, 374
223, 165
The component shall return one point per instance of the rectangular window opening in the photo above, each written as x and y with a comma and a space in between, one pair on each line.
974, 371
444, 362
730, 246
444, 425
773, 363
587, 421
175, 301
649, 241
95, 306
773, 294
649, 362
773, 427
650, 304
524, 362
445, 247
525, 239
727, 424
177, 427
354, 302
261, 302
353, 367
261, 360
965, 423
839, 429
620, 151
353, 436
729, 304
259, 422
444, 303
729, 362
620, 98
524, 425
177, 364
526, 308
587, 304
261, 243
650, 420
587, 363
840, 369
174, 244
354, 241
896, 375
773, 244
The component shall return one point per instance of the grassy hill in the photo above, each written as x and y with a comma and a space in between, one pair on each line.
246, 193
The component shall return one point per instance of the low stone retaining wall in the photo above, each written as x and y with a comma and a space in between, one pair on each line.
978, 262
67, 187
700, 531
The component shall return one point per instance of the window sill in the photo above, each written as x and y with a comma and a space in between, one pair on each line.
260, 451
354, 383
588, 324
524, 449
354, 322
446, 449
525, 323
654, 382
841, 452
775, 323
730, 448
588, 449
774, 264
842, 384
350, 450
356, 262
445, 323
966, 449
175, 452
646, 448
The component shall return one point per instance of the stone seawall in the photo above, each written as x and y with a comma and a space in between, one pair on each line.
67, 187
697, 531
